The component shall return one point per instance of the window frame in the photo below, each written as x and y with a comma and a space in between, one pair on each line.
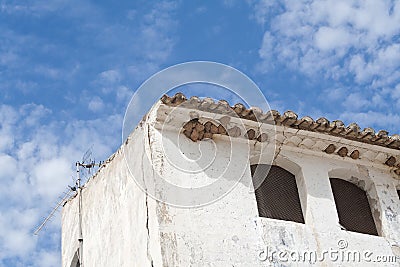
272, 209
341, 207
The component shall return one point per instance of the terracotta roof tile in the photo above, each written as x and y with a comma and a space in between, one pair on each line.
289, 119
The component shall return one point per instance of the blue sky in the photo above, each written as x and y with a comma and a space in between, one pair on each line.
69, 68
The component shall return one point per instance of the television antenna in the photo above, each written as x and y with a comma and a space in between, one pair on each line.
86, 165
67, 194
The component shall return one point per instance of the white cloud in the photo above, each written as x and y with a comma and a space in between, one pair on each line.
41, 8
18, 242
110, 76
48, 71
49, 177
155, 33
267, 48
35, 168
396, 92
8, 57
380, 119
333, 94
323, 33
8, 166
351, 45
6, 139
356, 101
263, 10
142, 71
47, 259
8, 119
32, 113
96, 104
124, 94
327, 38
37, 148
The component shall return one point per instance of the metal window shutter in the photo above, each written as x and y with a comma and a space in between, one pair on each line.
353, 207
277, 196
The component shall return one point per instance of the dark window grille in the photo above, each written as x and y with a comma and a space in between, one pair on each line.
353, 207
277, 196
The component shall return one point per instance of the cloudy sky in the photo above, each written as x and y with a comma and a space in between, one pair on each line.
68, 69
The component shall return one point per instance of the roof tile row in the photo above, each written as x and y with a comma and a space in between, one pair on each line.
288, 118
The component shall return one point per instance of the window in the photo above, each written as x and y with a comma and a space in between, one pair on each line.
398, 193
277, 196
353, 207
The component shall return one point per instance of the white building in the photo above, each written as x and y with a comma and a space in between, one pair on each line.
330, 197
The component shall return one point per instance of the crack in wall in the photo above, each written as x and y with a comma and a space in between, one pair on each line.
148, 232
259, 133
279, 146
146, 202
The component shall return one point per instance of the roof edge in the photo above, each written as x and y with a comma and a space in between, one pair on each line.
289, 118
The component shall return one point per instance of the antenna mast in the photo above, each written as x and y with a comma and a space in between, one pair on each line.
79, 189
80, 237
88, 164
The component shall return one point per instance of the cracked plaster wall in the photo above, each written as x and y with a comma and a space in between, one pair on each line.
123, 227
118, 218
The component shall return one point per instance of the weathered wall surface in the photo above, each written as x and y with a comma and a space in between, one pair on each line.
321, 237
124, 227
115, 223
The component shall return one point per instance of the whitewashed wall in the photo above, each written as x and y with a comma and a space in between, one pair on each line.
124, 227
115, 230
